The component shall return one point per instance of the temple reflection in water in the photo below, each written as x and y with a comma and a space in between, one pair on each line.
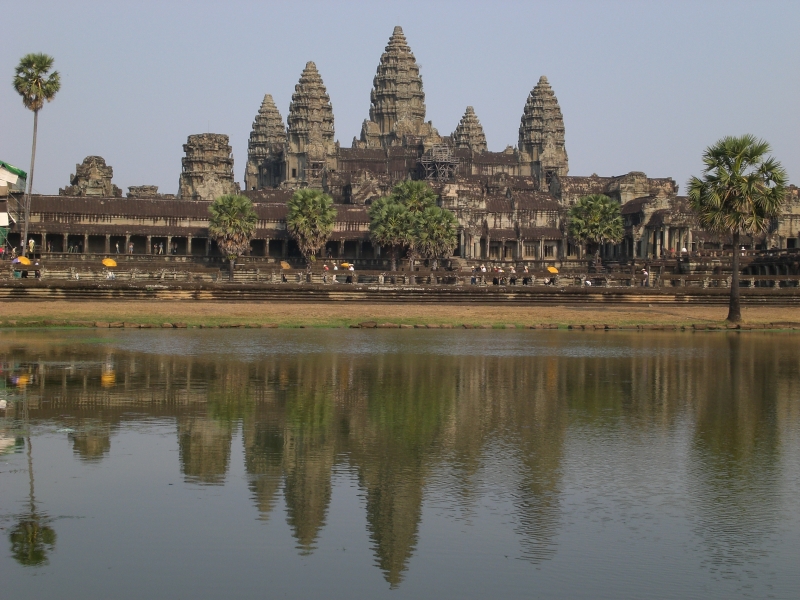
497, 423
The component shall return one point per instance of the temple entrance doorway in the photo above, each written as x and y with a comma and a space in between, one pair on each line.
158, 245
117, 244
177, 246
198, 247
97, 244
75, 244
139, 244
258, 247
55, 242
275, 249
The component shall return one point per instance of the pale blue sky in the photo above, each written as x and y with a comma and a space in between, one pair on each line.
644, 86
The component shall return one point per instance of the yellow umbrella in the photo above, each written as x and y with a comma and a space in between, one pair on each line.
552, 270
346, 265
109, 262
24, 260
285, 265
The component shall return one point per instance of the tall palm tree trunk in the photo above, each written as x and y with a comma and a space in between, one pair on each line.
30, 185
231, 263
734, 308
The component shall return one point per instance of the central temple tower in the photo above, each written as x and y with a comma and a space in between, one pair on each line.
541, 135
397, 102
310, 149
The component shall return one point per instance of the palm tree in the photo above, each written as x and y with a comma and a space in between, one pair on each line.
35, 85
232, 225
416, 195
741, 192
390, 224
310, 221
435, 233
595, 220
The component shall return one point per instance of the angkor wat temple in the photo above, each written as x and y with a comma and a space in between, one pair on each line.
510, 205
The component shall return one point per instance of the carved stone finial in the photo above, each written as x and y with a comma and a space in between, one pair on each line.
207, 168
92, 178
310, 133
541, 134
397, 102
265, 148
469, 133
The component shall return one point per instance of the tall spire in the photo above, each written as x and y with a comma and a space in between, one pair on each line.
397, 102
541, 134
267, 139
310, 132
469, 133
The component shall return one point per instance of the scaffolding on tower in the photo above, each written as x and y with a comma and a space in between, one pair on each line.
439, 164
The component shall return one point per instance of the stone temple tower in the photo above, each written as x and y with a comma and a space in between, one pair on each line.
469, 133
397, 102
541, 135
265, 148
207, 168
310, 149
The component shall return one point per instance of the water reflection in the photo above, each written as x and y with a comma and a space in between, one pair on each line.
399, 421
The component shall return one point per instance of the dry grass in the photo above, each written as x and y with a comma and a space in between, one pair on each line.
340, 314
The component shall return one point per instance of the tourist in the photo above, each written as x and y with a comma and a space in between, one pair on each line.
645, 278
116, 248
324, 267
483, 268
130, 248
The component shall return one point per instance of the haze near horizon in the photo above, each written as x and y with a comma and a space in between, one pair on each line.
642, 86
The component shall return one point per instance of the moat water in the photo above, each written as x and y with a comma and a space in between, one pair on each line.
399, 463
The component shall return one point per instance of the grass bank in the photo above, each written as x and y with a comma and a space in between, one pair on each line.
345, 314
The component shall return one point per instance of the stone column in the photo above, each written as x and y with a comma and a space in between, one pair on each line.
65, 243
108, 244
188, 245
284, 248
358, 249
488, 245
85, 243
541, 248
127, 243
208, 246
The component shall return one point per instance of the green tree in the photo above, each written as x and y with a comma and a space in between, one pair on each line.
415, 195
37, 85
232, 225
435, 233
741, 192
390, 225
595, 220
310, 221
